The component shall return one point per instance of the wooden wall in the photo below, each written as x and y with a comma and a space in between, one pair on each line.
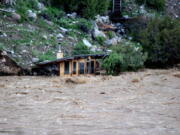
62, 66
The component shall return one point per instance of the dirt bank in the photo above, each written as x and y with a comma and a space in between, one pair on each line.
143, 103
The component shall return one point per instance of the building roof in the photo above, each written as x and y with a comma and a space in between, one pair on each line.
95, 56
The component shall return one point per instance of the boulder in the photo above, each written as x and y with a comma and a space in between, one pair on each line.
40, 6
31, 15
3, 34
113, 41
98, 33
35, 60
96, 49
45, 37
49, 22
7, 65
73, 15
63, 29
120, 28
142, 10
126, 16
60, 36
16, 17
102, 19
9, 2
24, 51
87, 43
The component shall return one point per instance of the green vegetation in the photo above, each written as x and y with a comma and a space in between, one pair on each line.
78, 24
124, 57
161, 40
47, 56
89, 11
52, 14
86, 8
130, 8
159, 37
111, 34
100, 40
156, 4
23, 5
1, 46
80, 48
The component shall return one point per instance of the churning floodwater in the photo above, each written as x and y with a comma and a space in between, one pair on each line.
143, 103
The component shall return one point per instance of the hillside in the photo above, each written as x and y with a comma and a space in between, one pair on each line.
89, 67
34, 31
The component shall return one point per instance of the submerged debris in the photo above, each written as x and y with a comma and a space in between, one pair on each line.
177, 74
75, 81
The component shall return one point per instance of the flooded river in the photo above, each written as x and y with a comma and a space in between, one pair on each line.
143, 103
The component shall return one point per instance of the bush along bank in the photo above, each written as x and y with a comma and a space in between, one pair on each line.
126, 56
37, 28
161, 39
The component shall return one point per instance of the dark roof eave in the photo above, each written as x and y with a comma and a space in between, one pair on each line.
95, 56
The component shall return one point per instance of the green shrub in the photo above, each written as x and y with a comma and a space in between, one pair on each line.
86, 8
112, 64
134, 27
47, 56
23, 5
124, 57
89, 11
156, 4
161, 40
80, 24
52, 14
67, 5
80, 48
111, 34
102, 6
100, 40
1, 46
85, 25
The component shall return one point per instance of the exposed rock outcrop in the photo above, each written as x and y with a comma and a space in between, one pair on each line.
31, 15
173, 8
97, 33
16, 17
8, 66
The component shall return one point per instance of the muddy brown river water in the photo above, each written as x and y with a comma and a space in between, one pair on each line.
143, 103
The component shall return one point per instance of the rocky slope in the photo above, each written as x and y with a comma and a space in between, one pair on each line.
39, 37
173, 8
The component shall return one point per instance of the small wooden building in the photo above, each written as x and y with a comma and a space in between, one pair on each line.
73, 66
